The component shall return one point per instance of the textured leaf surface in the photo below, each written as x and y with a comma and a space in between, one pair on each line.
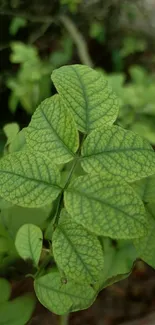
77, 252
17, 311
5, 290
27, 179
29, 242
88, 95
118, 152
52, 129
62, 298
145, 188
145, 246
106, 206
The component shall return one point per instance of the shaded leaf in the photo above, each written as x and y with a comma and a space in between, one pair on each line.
5, 290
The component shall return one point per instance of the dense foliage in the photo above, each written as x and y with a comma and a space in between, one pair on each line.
71, 183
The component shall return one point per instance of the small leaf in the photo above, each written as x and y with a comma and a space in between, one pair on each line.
10, 130
106, 206
118, 152
19, 142
145, 188
29, 242
62, 298
145, 245
5, 290
17, 311
77, 252
16, 24
52, 129
28, 180
87, 94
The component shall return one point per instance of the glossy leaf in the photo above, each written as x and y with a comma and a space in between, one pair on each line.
77, 252
5, 290
118, 152
62, 298
52, 129
106, 206
29, 242
87, 94
27, 179
17, 311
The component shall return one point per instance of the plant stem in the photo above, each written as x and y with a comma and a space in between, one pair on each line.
78, 40
64, 319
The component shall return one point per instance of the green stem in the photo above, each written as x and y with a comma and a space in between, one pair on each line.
64, 320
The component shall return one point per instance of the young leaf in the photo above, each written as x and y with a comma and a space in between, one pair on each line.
87, 94
145, 188
118, 152
145, 245
62, 298
106, 206
29, 242
52, 129
77, 252
17, 311
5, 290
28, 180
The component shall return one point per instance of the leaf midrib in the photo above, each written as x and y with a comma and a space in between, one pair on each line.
81, 193
30, 178
56, 134
115, 151
76, 252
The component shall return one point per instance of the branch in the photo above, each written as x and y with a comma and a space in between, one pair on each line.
78, 39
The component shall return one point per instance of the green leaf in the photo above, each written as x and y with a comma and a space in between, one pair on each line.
29, 242
13, 218
118, 152
27, 179
62, 298
145, 188
16, 24
53, 129
87, 94
19, 142
10, 130
106, 206
119, 260
5, 290
17, 311
145, 245
77, 252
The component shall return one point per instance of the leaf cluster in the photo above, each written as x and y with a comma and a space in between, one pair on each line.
91, 179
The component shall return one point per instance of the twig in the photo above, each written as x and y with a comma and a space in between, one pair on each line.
64, 320
78, 39
40, 32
